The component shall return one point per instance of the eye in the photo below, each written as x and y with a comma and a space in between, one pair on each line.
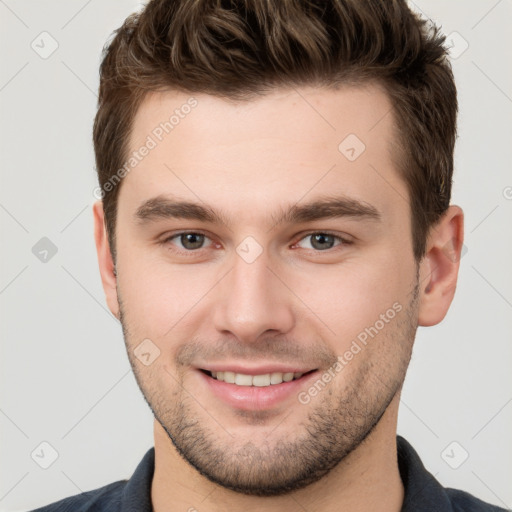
322, 241
189, 241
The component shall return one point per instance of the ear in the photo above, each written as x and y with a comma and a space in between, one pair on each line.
440, 267
105, 261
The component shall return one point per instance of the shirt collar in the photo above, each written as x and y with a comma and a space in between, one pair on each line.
136, 495
422, 492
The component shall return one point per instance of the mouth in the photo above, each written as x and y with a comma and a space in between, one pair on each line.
263, 386
259, 380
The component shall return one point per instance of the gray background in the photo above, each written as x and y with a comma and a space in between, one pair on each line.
65, 377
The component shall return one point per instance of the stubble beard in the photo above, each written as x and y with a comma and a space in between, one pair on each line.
338, 421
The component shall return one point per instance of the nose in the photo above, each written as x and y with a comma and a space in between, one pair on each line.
253, 301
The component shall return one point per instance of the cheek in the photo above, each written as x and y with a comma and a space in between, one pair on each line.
157, 297
354, 296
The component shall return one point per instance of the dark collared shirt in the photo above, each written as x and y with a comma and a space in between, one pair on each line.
423, 493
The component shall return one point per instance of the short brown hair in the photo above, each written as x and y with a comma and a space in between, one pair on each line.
241, 48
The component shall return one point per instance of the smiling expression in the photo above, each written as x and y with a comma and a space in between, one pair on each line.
252, 250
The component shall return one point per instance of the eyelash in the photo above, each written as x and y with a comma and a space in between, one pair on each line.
343, 241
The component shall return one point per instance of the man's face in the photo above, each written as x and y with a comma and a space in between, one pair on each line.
275, 287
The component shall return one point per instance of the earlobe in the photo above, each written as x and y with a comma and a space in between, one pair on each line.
440, 266
105, 260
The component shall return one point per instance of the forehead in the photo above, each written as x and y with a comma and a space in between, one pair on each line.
286, 113
287, 145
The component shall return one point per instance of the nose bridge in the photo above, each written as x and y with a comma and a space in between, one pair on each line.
250, 281
252, 300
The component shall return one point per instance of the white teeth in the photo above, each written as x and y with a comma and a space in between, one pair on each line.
267, 379
261, 380
242, 380
229, 377
276, 378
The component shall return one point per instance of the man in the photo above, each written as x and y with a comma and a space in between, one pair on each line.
274, 226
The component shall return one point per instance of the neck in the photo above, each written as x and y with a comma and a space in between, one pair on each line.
367, 479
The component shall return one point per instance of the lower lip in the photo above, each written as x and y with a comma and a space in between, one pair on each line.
255, 398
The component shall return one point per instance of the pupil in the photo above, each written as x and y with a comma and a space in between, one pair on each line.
322, 239
192, 240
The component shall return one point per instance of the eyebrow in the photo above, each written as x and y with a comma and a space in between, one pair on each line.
161, 207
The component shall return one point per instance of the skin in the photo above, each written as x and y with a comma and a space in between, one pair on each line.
298, 302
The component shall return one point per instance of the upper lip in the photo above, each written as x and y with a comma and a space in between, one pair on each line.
255, 370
